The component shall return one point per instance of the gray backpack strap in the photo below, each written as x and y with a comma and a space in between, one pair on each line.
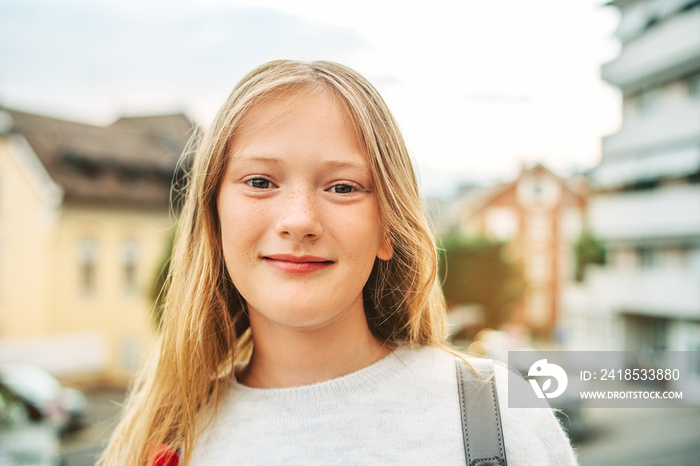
481, 417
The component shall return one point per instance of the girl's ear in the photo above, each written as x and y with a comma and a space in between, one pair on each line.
386, 249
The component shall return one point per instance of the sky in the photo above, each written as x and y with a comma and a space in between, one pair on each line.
479, 88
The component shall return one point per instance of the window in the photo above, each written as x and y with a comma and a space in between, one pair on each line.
644, 333
87, 259
537, 188
647, 102
691, 5
694, 358
539, 267
648, 257
129, 262
694, 86
539, 226
501, 223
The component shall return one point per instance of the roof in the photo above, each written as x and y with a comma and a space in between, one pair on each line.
486, 197
131, 162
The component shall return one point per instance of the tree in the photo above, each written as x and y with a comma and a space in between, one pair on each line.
588, 250
477, 271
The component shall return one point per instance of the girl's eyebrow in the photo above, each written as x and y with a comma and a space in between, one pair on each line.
256, 158
341, 163
326, 163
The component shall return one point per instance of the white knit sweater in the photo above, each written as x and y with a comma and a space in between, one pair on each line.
403, 409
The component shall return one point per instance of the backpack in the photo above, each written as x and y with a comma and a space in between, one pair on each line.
481, 418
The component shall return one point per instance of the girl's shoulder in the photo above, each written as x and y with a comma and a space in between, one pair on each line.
531, 435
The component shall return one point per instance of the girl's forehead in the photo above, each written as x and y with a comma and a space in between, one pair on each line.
278, 103
276, 108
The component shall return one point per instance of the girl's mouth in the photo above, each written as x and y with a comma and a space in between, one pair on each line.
297, 265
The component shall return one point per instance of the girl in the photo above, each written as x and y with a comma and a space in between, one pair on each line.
303, 322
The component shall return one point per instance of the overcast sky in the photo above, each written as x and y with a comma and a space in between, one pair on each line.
479, 87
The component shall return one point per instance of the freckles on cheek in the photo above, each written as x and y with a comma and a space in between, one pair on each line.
243, 223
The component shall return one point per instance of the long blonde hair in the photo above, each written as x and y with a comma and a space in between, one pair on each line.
205, 329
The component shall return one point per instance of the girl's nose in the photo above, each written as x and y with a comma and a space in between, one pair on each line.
299, 217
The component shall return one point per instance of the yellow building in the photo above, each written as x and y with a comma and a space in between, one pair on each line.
84, 224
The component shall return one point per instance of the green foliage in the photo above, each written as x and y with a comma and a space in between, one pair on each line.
477, 271
588, 250
160, 284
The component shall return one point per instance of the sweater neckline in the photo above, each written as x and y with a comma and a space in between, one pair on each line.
328, 393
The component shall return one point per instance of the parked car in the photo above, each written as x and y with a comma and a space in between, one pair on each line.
66, 408
25, 437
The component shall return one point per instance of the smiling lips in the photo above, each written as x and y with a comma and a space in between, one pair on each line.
297, 265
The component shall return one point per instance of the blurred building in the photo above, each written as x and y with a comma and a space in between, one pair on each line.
540, 216
84, 224
647, 203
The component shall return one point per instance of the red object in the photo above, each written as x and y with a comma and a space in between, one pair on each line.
163, 455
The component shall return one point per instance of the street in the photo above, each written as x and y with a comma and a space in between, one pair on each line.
642, 437
82, 448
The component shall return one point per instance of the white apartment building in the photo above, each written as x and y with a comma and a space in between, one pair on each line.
646, 206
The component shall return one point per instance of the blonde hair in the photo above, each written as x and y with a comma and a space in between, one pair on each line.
205, 328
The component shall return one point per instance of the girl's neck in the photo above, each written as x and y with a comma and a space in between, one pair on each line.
289, 357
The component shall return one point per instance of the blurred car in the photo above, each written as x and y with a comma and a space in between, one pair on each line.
66, 408
25, 437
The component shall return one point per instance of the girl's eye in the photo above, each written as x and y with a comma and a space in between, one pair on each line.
343, 189
259, 183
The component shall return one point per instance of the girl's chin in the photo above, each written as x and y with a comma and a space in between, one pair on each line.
307, 311
295, 319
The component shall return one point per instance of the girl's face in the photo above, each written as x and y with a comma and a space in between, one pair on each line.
300, 223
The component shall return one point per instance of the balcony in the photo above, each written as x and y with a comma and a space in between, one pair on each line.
624, 171
675, 123
663, 53
659, 293
638, 217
